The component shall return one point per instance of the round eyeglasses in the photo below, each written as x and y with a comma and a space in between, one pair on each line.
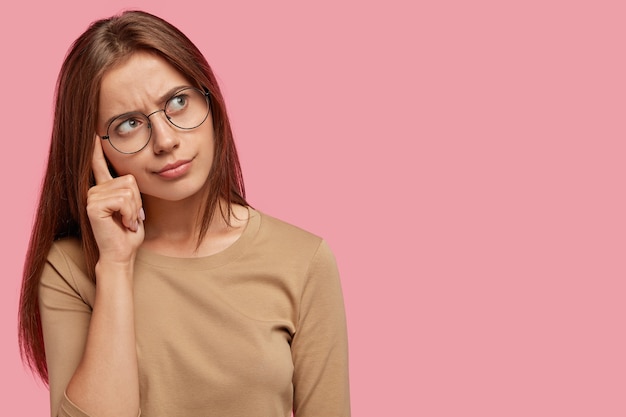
130, 132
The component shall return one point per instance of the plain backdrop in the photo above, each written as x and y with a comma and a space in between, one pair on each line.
465, 161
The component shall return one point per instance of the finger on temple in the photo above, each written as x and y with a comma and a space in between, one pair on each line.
99, 164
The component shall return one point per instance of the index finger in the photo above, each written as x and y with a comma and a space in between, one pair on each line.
99, 164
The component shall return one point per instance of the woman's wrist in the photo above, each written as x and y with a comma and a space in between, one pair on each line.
106, 268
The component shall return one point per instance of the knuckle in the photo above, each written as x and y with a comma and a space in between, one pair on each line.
120, 200
129, 196
91, 197
129, 180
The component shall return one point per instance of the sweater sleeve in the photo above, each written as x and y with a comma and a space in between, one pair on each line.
320, 343
65, 319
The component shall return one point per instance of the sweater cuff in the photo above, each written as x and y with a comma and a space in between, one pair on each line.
69, 409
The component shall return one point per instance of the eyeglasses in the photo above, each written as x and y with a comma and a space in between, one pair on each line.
130, 132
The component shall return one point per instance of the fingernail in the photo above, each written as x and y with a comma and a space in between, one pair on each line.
142, 214
134, 226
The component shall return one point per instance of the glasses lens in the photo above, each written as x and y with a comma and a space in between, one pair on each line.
130, 132
188, 109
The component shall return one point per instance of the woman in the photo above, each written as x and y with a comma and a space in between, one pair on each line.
151, 287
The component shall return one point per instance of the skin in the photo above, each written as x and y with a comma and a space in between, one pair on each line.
139, 84
134, 210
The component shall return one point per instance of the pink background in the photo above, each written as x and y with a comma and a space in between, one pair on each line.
464, 159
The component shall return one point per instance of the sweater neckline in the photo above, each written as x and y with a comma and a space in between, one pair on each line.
221, 258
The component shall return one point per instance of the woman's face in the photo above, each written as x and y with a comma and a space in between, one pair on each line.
175, 164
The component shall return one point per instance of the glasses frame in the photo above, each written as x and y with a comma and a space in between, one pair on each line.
206, 95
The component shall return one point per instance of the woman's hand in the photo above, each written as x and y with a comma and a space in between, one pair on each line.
115, 211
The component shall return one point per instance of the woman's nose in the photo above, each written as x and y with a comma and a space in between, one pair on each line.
164, 134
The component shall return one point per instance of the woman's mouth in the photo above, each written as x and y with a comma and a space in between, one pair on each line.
174, 170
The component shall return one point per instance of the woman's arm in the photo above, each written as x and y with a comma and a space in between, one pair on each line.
66, 297
105, 382
320, 344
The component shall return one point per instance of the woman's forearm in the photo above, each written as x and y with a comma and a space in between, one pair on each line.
106, 382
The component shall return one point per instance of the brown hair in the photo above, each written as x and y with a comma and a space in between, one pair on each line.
62, 205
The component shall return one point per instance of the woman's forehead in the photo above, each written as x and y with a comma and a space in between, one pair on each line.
142, 79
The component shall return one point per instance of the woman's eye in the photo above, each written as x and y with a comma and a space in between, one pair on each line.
177, 103
128, 126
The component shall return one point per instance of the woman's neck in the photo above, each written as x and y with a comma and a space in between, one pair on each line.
173, 228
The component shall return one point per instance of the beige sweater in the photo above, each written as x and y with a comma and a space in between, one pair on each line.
254, 331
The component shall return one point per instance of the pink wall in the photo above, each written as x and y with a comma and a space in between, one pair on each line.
464, 159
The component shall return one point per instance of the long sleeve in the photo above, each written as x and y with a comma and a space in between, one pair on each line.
65, 313
320, 343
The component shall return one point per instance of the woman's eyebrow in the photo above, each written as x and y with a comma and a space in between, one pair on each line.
170, 93
110, 120
164, 97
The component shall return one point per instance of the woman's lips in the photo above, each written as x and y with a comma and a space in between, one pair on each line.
174, 170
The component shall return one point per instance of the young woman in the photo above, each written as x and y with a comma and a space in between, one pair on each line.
151, 287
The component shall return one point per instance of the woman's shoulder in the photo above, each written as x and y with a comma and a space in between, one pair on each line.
279, 228
66, 247
66, 256
283, 236
65, 271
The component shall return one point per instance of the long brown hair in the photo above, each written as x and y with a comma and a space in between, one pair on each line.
62, 204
